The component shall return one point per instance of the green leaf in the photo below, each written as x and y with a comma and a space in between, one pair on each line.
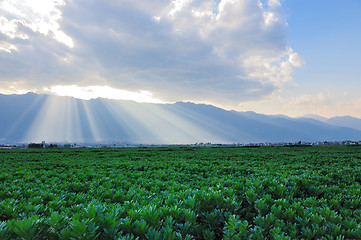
27, 228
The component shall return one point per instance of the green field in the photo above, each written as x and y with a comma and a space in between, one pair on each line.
181, 193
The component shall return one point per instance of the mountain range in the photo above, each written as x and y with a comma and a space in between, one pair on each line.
344, 121
36, 117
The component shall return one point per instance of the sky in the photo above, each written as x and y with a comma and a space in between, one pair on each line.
291, 57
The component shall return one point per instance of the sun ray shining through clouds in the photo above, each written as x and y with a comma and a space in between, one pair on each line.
23, 116
165, 51
156, 124
217, 129
127, 119
111, 59
104, 121
57, 121
93, 129
169, 126
64, 119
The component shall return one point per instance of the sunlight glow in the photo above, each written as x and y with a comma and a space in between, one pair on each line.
24, 116
178, 5
14, 90
7, 48
40, 16
57, 121
93, 92
62, 120
157, 123
90, 115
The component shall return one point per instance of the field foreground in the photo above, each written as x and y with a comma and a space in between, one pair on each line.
181, 193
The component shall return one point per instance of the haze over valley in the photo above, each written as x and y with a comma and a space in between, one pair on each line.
66, 119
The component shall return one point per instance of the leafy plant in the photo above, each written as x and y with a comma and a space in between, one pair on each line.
27, 228
181, 193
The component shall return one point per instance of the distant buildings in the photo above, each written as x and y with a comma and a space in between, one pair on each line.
7, 146
43, 144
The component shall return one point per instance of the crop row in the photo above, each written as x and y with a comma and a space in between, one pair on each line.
181, 193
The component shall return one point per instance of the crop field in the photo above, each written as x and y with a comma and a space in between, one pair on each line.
181, 193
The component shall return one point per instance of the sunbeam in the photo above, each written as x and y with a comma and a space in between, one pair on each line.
93, 130
23, 116
66, 119
157, 124
57, 121
218, 127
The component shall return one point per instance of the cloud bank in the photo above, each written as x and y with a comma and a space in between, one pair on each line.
223, 52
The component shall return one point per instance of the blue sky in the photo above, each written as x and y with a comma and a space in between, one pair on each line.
327, 35
291, 57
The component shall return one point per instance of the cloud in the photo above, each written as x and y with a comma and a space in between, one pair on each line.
351, 107
93, 92
324, 104
212, 51
40, 16
310, 101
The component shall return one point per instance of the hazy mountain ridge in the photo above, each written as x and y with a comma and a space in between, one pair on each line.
33, 118
341, 121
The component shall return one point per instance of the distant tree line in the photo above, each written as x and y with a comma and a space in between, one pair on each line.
41, 145
35, 145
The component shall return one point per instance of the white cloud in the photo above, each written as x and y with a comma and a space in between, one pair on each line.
274, 3
323, 104
351, 107
310, 101
12, 90
10, 28
178, 5
7, 47
269, 18
202, 50
320, 103
40, 16
275, 69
